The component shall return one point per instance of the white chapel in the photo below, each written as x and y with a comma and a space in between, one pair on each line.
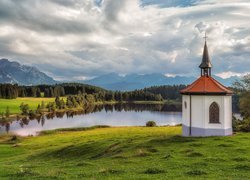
206, 104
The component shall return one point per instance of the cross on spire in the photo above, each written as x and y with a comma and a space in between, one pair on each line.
205, 37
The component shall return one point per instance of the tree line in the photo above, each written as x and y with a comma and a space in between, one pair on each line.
9, 91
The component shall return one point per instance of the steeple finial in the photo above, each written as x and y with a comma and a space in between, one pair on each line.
205, 37
205, 63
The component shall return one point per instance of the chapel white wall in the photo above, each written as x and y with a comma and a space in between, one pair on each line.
200, 111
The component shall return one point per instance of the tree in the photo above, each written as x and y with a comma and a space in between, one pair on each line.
245, 104
2, 115
244, 84
75, 103
24, 108
62, 104
38, 92
7, 112
57, 101
39, 109
51, 106
69, 102
42, 105
243, 90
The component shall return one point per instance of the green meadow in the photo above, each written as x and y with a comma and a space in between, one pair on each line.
124, 153
14, 104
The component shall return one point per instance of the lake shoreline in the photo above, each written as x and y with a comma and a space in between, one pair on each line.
114, 115
16, 116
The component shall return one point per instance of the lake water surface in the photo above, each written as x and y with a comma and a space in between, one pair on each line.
112, 115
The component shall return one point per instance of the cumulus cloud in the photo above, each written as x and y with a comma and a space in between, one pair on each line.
85, 38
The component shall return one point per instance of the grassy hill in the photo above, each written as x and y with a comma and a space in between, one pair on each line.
124, 152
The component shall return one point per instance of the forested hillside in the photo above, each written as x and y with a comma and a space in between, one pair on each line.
167, 91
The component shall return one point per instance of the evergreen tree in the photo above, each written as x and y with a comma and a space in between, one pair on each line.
42, 105
69, 102
62, 104
24, 108
39, 109
51, 106
7, 112
57, 101
38, 92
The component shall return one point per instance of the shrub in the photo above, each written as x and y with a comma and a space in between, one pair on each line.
245, 126
241, 125
13, 138
150, 124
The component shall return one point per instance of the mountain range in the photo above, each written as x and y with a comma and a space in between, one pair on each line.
129, 82
14, 72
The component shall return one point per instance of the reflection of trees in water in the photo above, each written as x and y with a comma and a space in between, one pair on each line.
38, 119
109, 107
7, 127
50, 115
71, 114
60, 114
146, 107
42, 120
24, 121
96, 108
90, 109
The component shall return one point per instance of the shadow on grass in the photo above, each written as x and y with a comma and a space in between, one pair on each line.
243, 167
194, 154
196, 173
93, 150
46, 132
111, 150
225, 145
154, 171
239, 159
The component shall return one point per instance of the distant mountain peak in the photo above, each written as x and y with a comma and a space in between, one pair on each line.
14, 72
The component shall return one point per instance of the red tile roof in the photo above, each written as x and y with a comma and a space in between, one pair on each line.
206, 85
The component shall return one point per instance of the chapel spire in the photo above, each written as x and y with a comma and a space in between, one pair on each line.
205, 63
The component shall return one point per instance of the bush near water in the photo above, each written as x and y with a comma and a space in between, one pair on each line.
150, 124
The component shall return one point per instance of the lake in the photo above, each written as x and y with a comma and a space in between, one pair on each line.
111, 115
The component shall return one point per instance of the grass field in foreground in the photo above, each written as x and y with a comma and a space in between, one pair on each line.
125, 153
15, 103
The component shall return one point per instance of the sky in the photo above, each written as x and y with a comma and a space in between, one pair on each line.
81, 39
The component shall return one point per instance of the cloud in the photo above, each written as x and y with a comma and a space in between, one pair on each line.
228, 74
84, 38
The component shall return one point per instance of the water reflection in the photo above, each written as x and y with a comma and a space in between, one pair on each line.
113, 115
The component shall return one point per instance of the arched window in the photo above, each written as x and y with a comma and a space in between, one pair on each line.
214, 113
